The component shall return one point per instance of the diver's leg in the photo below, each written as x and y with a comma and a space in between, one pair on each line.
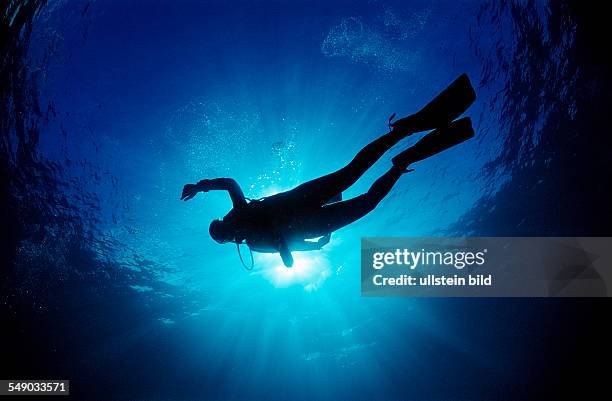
436, 142
322, 189
332, 217
443, 109
329, 218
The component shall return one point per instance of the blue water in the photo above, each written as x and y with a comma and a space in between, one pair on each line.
269, 95
139, 98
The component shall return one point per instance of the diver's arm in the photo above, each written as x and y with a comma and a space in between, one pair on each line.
278, 247
223, 184
285, 253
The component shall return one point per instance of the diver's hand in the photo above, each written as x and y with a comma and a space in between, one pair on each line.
189, 191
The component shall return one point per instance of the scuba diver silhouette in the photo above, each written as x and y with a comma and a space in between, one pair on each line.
283, 222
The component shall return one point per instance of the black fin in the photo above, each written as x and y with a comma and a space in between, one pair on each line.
436, 142
444, 108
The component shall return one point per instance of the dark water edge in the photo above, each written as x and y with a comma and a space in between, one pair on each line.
563, 188
569, 179
53, 286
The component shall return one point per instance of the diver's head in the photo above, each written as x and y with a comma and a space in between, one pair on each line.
220, 231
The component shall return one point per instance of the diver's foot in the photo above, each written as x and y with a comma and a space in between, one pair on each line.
444, 108
435, 142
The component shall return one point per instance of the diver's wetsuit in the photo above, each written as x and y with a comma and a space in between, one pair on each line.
282, 222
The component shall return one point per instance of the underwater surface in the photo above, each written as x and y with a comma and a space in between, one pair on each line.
109, 107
